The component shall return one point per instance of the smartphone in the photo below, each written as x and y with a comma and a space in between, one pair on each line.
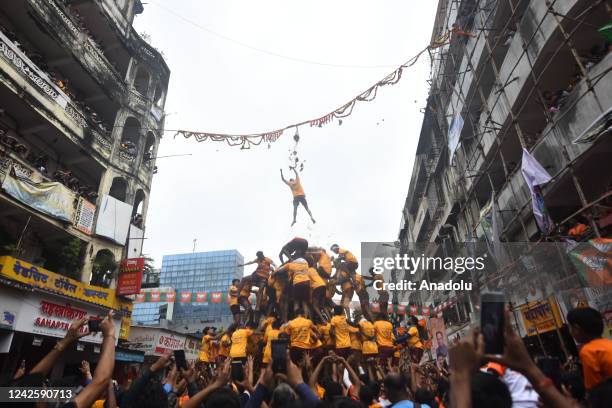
551, 367
279, 355
237, 371
492, 321
179, 358
93, 325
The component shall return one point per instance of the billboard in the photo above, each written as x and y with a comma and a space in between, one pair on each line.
130, 276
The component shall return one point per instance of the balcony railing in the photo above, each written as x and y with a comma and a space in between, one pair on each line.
41, 80
81, 36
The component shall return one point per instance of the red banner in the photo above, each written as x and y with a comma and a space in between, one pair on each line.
200, 297
185, 297
401, 309
130, 276
375, 307
140, 298
216, 297
425, 311
413, 310
170, 296
155, 296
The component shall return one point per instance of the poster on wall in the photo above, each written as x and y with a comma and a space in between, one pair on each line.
439, 347
113, 219
84, 216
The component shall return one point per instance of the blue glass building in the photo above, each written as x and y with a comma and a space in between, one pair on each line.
201, 271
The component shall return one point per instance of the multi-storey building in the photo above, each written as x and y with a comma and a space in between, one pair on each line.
512, 76
152, 311
209, 272
82, 97
81, 116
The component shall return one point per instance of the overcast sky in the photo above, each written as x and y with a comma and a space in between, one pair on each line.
356, 175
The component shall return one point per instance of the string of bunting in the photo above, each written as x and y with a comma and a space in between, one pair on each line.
245, 141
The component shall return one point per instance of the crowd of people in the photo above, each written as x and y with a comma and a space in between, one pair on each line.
286, 352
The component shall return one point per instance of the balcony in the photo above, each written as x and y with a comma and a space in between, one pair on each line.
24, 75
55, 46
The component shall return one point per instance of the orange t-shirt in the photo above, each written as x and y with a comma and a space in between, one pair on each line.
384, 333
596, 357
325, 262
368, 333
325, 336
224, 345
233, 295
296, 187
341, 331
316, 281
205, 349
348, 256
298, 271
239, 343
246, 289
271, 334
263, 267
298, 330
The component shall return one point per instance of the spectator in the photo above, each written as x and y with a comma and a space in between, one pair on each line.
586, 326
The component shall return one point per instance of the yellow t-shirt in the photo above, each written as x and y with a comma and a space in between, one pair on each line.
348, 256
384, 333
316, 281
267, 324
298, 330
355, 341
224, 345
271, 334
246, 289
324, 333
367, 331
233, 295
239, 343
298, 270
414, 340
341, 331
205, 349
325, 262
296, 187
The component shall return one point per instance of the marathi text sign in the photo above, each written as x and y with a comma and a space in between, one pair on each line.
50, 198
29, 274
84, 216
541, 316
130, 276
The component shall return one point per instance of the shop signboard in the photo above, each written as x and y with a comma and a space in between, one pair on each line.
130, 276
541, 316
24, 272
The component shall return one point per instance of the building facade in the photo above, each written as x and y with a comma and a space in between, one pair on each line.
209, 272
153, 309
511, 77
82, 98
81, 114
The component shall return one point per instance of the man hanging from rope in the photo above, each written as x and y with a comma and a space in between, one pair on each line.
298, 194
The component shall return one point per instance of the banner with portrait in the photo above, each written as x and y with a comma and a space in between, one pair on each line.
439, 347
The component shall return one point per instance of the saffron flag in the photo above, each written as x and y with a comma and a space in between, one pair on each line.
170, 296
216, 297
200, 297
185, 297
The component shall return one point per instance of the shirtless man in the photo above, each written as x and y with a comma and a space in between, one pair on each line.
298, 194
260, 277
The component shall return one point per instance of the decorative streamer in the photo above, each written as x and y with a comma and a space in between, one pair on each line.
245, 141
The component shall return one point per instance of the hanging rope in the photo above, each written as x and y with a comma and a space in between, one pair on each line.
245, 141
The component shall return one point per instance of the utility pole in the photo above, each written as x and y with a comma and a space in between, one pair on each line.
194, 244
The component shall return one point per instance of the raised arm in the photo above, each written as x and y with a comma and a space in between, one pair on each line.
44, 366
283, 177
248, 263
104, 370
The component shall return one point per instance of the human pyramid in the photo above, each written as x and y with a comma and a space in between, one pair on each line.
295, 301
